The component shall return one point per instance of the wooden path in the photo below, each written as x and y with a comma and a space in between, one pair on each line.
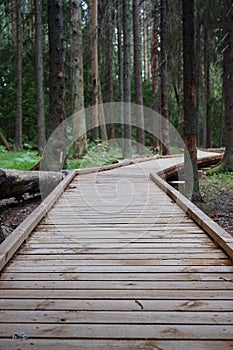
117, 264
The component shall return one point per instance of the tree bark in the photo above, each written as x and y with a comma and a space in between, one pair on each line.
207, 87
95, 86
155, 69
190, 111
126, 80
140, 135
57, 85
39, 76
120, 58
16, 183
19, 90
164, 79
227, 162
106, 24
79, 123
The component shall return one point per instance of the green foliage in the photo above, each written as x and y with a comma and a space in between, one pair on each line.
22, 160
98, 154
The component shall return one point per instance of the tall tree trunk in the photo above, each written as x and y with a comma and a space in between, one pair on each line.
79, 124
120, 58
57, 86
95, 94
190, 112
19, 92
126, 80
155, 69
14, 21
207, 86
101, 114
39, 76
107, 35
140, 135
164, 78
228, 83
144, 42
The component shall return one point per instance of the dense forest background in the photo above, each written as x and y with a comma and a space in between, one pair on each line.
99, 41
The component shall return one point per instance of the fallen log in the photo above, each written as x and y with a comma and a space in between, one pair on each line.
16, 183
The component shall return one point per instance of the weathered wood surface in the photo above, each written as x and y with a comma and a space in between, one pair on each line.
117, 264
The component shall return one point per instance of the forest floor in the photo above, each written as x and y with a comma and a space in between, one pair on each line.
217, 193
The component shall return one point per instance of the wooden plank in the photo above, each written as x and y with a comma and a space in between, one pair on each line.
116, 317
120, 269
119, 262
73, 276
217, 233
164, 294
106, 331
87, 344
163, 305
116, 285
120, 249
109, 239
157, 259
132, 244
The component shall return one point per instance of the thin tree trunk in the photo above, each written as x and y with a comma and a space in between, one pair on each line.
101, 114
14, 21
190, 112
120, 58
126, 80
155, 69
39, 76
79, 124
94, 35
140, 136
19, 91
164, 79
144, 41
207, 88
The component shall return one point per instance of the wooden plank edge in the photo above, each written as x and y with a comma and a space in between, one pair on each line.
220, 236
126, 162
13, 242
166, 173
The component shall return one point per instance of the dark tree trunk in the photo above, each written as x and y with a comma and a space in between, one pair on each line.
39, 76
14, 21
57, 86
19, 91
79, 124
120, 57
107, 36
140, 136
126, 80
207, 87
155, 69
95, 78
190, 111
228, 83
164, 78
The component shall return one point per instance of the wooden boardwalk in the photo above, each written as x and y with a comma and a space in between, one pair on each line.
117, 264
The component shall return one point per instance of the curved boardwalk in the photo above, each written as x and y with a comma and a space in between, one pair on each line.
117, 264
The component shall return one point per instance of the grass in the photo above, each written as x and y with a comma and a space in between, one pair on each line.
20, 160
98, 154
